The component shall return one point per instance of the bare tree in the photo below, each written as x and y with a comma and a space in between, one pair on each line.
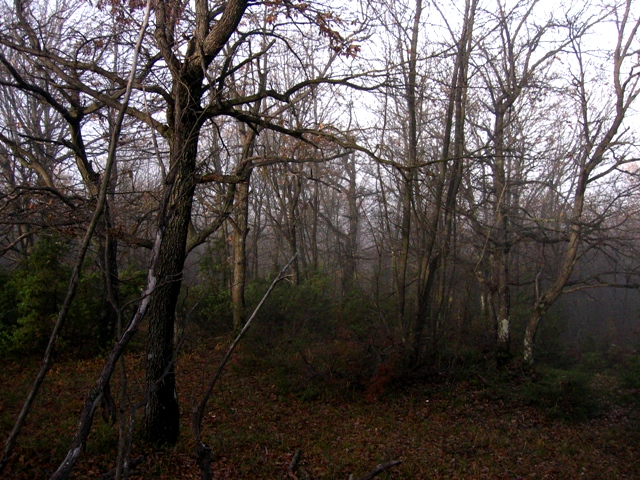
511, 63
603, 149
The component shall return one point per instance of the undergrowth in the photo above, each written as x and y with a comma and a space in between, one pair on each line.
562, 394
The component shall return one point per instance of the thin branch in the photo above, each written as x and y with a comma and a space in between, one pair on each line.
379, 469
66, 467
203, 451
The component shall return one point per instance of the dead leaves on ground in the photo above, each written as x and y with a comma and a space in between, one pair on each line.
254, 431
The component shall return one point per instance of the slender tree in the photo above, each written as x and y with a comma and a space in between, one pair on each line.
602, 151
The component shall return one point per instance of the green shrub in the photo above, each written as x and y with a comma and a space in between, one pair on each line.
593, 362
629, 373
37, 293
32, 296
316, 346
8, 311
562, 394
294, 311
214, 309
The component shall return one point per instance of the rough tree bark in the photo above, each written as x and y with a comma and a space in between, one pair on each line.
184, 117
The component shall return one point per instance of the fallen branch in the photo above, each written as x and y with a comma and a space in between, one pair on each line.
378, 470
294, 462
293, 466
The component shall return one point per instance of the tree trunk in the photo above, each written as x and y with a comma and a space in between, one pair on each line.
350, 267
109, 264
293, 196
530, 336
410, 173
500, 240
162, 412
454, 125
184, 115
240, 254
502, 308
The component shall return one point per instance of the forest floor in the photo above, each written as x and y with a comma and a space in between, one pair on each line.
468, 428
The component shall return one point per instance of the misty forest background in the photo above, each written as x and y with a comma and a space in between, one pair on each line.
456, 185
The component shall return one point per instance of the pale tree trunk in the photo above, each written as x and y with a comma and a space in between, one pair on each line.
351, 253
548, 298
241, 229
506, 74
240, 232
626, 89
501, 244
241, 224
530, 335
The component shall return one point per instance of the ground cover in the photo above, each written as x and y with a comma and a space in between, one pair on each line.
465, 428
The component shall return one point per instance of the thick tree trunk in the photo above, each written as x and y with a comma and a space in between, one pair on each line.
162, 412
502, 309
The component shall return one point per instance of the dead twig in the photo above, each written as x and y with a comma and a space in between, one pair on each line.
293, 466
378, 470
